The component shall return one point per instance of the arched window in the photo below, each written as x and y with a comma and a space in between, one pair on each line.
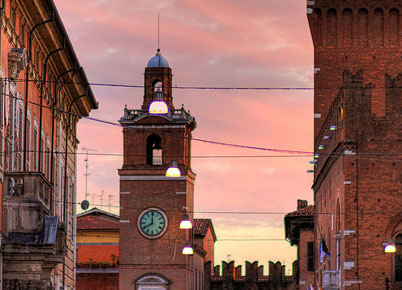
151, 282
154, 150
157, 86
398, 258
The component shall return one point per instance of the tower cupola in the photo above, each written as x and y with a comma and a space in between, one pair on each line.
157, 78
158, 60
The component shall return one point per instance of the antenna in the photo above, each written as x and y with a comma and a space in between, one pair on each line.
110, 203
158, 32
93, 197
86, 169
101, 197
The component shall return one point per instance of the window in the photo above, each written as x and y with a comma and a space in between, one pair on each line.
28, 143
48, 159
35, 149
22, 34
310, 256
37, 59
157, 86
42, 154
20, 117
398, 258
60, 200
151, 283
154, 150
1, 124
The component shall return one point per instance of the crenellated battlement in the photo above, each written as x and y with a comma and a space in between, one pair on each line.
229, 276
346, 24
354, 36
351, 117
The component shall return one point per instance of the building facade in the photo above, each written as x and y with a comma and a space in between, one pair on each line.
299, 231
97, 250
357, 130
43, 94
153, 205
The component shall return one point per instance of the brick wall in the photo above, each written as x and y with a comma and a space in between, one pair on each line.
358, 59
232, 278
102, 281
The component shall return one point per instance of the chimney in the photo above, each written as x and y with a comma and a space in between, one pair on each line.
301, 204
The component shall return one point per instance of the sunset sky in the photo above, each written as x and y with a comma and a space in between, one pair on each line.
208, 43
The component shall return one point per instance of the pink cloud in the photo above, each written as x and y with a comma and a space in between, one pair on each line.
229, 43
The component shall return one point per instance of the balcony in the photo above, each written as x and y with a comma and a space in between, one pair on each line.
174, 115
27, 217
33, 238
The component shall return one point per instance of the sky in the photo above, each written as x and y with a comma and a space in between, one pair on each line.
209, 43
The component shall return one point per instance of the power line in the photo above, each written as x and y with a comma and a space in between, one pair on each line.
215, 142
174, 87
284, 88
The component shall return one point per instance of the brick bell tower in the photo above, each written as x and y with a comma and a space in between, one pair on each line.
152, 205
358, 141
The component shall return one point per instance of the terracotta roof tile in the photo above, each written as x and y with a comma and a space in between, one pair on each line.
307, 211
201, 226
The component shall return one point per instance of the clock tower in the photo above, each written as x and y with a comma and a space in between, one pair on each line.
152, 204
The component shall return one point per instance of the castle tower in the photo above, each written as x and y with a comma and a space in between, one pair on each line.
152, 205
358, 136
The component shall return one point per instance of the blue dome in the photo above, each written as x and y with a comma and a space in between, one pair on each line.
158, 60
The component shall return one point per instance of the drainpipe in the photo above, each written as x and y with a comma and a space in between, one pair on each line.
41, 102
30, 36
55, 103
65, 172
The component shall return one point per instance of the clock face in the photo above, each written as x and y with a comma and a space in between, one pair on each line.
152, 223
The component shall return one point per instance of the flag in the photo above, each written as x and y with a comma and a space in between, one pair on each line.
323, 250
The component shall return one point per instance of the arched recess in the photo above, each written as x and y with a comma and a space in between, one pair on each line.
394, 27
347, 24
338, 234
154, 150
332, 24
338, 217
157, 85
316, 25
394, 231
363, 27
151, 282
378, 28
398, 258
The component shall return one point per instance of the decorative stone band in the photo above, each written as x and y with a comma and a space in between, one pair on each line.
154, 126
150, 178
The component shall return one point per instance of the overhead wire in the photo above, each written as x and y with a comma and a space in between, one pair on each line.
280, 150
230, 88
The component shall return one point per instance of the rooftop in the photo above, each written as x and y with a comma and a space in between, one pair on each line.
201, 227
158, 60
96, 219
306, 211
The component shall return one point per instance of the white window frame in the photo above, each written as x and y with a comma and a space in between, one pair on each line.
29, 143
35, 148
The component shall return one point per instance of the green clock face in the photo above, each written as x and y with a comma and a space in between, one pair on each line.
152, 223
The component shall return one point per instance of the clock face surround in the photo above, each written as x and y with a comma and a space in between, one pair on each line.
152, 223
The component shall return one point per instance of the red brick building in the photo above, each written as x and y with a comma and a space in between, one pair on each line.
357, 110
299, 231
97, 250
39, 114
152, 204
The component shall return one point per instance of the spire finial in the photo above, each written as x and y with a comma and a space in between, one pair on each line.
158, 33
